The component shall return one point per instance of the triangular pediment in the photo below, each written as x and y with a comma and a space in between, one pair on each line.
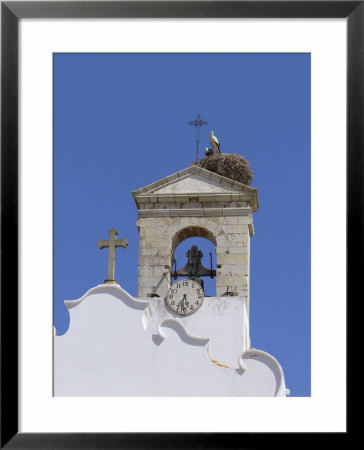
195, 184
194, 180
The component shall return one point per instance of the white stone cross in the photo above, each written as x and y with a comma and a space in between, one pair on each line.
112, 243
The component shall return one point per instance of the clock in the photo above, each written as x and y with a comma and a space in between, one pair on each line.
185, 297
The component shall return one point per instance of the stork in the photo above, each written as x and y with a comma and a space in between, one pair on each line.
215, 143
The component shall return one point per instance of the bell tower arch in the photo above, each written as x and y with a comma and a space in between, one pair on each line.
195, 203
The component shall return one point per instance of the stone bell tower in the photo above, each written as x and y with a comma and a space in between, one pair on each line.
195, 202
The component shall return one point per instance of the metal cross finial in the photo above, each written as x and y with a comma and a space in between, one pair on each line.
197, 123
112, 243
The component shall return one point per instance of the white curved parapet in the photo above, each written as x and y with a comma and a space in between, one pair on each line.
255, 361
117, 345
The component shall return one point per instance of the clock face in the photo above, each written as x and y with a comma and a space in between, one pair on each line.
185, 297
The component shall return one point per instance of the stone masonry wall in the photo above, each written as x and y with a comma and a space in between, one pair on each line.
233, 256
159, 236
154, 256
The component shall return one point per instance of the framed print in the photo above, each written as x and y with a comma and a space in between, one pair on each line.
268, 105
85, 78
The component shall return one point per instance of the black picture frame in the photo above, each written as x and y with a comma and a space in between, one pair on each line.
11, 12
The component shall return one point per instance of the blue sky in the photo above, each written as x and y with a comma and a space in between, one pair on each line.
121, 123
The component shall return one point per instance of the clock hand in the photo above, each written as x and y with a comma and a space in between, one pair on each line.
184, 299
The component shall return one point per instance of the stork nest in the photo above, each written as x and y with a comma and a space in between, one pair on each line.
229, 165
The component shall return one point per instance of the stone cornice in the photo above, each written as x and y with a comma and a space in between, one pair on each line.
194, 212
204, 197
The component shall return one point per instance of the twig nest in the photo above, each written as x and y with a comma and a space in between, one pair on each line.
229, 165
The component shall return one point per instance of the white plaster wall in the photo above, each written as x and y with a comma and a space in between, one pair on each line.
117, 345
220, 320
